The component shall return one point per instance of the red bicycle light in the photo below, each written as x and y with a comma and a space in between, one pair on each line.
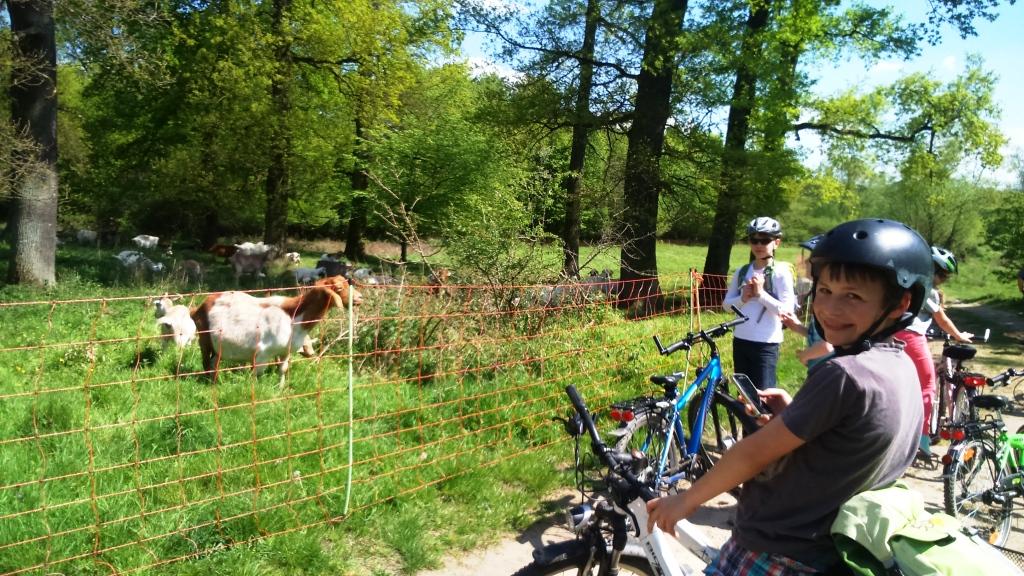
974, 380
615, 415
947, 459
945, 434
958, 434
627, 416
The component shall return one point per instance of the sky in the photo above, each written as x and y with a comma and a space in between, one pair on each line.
999, 43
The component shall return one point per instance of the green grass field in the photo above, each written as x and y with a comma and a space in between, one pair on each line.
118, 456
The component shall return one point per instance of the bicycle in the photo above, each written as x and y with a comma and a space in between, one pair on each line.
982, 472
604, 523
955, 385
653, 425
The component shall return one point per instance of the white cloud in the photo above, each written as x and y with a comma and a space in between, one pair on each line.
480, 66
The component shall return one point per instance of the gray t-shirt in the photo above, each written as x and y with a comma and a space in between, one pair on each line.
861, 417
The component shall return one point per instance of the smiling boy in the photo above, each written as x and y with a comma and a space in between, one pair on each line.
854, 424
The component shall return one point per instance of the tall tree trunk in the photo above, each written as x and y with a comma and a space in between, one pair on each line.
734, 161
275, 228
360, 181
639, 259
33, 220
572, 184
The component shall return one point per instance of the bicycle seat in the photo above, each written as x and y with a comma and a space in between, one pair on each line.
665, 379
990, 402
959, 351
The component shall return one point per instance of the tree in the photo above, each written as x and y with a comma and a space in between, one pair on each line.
33, 93
642, 185
576, 60
931, 131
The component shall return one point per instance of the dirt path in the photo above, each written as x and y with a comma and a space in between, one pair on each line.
516, 551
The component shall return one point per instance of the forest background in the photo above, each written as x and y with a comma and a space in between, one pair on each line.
199, 121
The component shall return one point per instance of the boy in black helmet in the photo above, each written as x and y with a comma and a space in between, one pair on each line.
853, 426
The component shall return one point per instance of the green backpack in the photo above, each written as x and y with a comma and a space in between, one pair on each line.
888, 532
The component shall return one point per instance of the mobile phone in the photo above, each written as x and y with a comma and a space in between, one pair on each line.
749, 391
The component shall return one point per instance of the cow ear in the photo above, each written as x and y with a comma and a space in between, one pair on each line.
338, 300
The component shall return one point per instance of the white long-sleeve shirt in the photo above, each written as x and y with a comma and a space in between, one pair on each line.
764, 325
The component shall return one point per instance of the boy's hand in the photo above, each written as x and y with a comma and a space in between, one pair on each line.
668, 510
965, 336
775, 398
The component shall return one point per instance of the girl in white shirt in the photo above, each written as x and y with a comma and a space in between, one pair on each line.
763, 292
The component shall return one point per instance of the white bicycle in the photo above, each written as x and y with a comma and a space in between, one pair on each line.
617, 511
604, 525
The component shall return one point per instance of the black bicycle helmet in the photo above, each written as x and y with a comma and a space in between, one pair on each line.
944, 260
812, 242
884, 244
764, 225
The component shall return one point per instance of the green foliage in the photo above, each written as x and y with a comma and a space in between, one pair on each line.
1004, 226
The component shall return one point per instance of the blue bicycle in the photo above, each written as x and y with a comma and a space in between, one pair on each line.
654, 425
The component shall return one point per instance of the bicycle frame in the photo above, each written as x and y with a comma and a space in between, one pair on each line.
1011, 448
709, 375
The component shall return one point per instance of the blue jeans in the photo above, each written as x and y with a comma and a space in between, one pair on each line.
758, 360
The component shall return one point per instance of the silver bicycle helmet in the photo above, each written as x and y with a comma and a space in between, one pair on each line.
944, 260
764, 225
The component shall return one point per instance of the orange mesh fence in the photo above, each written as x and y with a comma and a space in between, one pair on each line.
120, 453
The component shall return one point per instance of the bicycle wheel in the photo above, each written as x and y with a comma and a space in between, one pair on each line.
725, 423
961, 403
573, 566
647, 432
967, 484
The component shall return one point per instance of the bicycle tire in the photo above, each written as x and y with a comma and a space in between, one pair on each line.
960, 405
966, 480
1018, 393
729, 423
940, 406
651, 429
572, 565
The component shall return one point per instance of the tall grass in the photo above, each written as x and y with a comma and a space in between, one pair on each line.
119, 456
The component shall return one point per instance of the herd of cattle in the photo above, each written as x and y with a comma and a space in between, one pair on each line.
236, 326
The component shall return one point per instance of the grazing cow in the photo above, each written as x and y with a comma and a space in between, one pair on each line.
146, 242
175, 322
191, 271
254, 249
293, 257
333, 266
598, 283
137, 262
308, 275
224, 251
437, 281
87, 237
237, 326
248, 264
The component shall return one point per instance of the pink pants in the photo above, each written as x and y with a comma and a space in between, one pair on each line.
917, 349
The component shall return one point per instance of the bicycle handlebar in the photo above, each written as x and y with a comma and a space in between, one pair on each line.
703, 335
602, 451
1000, 379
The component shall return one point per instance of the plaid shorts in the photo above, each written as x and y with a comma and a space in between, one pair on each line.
733, 560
